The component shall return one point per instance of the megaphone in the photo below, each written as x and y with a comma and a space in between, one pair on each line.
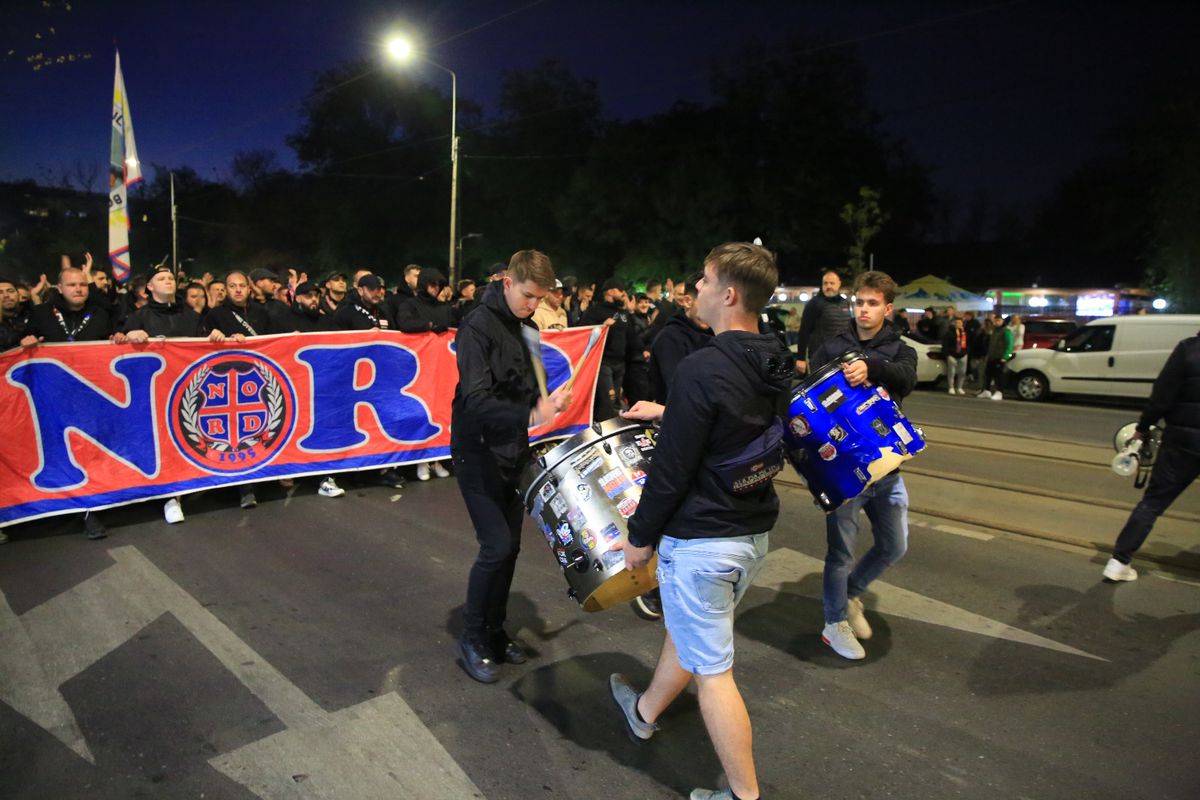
1135, 455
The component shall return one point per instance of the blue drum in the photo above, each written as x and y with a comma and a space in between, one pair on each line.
843, 438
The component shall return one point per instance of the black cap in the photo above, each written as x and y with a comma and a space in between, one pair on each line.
613, 283
307, 287
370, 281
262, 274
162, 268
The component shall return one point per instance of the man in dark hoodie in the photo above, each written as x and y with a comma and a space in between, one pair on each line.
707, 505
304, 314
825, 316
427, 311
1175, 398
622, 347
495, 403
892, 364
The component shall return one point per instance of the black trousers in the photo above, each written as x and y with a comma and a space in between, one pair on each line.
1174, 470
609, 383
494, 504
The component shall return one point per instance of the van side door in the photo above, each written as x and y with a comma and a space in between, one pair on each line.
1083, 361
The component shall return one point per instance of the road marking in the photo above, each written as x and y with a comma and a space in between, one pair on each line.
376, 749
957, 531
786, 567
1174, 579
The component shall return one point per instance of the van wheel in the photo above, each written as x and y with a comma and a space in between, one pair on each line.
1032, 385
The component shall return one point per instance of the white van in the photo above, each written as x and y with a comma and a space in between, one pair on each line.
1114, 356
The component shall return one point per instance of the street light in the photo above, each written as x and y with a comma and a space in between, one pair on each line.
460, 244
401, 49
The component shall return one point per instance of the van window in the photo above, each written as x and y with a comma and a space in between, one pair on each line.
1090, 339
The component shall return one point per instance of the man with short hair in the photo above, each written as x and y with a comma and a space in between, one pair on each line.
216, 293
464, 302
891, 364
550, 314
238, 314
68, 317
495, 403
196, 297
621, 347
334, 294
265, 284
708, 504
13, 316
826, 316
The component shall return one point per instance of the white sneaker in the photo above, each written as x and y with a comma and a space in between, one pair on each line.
950, 390
440, 471
985, 394
422, 472
962, 392
173, 511
329, 488
840, 637
1116, 571
997, 395
857, 619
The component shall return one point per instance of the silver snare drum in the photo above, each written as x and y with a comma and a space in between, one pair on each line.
581, 494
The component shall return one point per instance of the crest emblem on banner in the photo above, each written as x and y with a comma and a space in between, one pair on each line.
232, 412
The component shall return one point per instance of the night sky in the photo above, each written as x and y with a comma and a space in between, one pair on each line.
1003, 98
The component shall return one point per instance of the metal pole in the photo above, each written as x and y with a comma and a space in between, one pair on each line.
174, 230
453, 173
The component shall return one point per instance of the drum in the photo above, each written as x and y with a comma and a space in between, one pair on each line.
580, 494
843, 438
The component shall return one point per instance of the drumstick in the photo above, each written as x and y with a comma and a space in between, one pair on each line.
592, 339
533, 343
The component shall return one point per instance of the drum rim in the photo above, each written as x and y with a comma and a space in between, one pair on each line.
616, 424
832, 366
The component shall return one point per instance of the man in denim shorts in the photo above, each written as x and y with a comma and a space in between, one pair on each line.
707, 505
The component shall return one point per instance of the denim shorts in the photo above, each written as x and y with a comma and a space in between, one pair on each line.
702, 581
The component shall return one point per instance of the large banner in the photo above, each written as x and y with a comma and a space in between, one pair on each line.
94, 425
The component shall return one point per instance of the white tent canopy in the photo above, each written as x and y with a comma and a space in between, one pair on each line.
933, 291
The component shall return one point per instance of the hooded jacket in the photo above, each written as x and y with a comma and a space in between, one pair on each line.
1176, 398
424, 313
496, 385
722, 398
298, 319
624, 344
56, 322
891, 363
679, 339
165, 319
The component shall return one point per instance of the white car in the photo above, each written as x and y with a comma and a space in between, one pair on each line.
930, 365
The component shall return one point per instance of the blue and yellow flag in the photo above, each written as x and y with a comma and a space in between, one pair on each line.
124, 171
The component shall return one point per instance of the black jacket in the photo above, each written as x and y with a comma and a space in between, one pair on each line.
624, 344
356, 315
824, 318
679, 339
950, 343
161, 319
90, 324
1176, 398
298, 319
890, 362
229, 319
722, 398
424, 313
496, 384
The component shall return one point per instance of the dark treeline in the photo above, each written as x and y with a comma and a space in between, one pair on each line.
788, 141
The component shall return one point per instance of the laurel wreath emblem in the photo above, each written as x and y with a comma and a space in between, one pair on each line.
192, 401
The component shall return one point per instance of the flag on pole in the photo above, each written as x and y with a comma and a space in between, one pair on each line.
124, 171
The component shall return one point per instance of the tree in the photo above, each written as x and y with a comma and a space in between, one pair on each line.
865, 219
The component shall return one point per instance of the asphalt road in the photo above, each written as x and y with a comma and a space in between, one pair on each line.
305, 649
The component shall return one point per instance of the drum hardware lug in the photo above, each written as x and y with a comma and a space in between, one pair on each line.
596, 427
607, 448
571, 593
599, 567
580, 563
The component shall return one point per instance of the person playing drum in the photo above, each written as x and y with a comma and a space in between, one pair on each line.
495, 403
892, 364
708, 503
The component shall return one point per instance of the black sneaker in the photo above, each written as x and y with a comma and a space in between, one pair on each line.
392, 477
649, 605
505, 649
248, 499
476, 659
93, 527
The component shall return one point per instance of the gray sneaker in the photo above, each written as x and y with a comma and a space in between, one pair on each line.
626, 699
711, 794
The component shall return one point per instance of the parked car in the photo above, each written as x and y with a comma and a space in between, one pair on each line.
1043, 332
931, 367
1113, 356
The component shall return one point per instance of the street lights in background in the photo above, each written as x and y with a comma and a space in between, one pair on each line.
460, 244
401, 50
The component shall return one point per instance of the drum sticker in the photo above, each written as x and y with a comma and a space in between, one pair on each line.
613, 558
546, 531
828, 452
588, 464
558, 505
564, 533
800, 427
584, 491
638, 476
867, 404
538, 505
880, 427
610, 533
629, 454
626, 507
614, 482
562, 556
589, 539
576, 519
809, 403
858, 473
644, 443
903, 448
903, 433
837, 434
546, 491
883, 393
831, 398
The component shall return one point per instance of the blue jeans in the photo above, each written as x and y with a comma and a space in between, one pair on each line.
886, 504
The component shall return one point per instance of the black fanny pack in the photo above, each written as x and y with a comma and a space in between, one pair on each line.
753, 466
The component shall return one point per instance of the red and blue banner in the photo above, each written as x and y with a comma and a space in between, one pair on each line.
95, 425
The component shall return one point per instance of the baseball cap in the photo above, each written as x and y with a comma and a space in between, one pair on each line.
307, 287
613, 283
370, 282
262, 274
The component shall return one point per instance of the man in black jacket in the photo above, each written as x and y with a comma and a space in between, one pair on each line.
706, 516
892, 364
427, 311
238, 316
1175, 398
69, 317
825, 316
13, 315
304, 314
684, 334
495, 403
622, 347
365, 310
